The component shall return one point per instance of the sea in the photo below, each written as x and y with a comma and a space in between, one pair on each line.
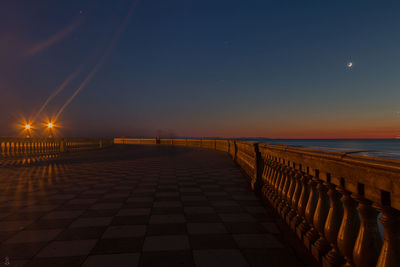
381, 148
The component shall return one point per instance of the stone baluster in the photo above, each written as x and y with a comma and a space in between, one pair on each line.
273, 178
295, 198
300, 223
332, 225
270, 175
266, 170
311, 235
289, 194
285, 190
278, 177
390, 252
282, 181
268, 178
368, 244
349, 226
321, 246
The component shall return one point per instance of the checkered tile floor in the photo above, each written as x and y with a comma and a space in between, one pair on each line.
136, 206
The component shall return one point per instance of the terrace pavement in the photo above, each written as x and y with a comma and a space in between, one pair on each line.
136, 206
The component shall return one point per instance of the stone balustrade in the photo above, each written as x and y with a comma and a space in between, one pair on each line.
14, 147
330, 200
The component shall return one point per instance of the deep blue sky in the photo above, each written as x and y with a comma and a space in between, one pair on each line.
205, 68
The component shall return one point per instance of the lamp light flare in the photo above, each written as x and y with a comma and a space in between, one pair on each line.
50, 125
27, 126
350, 64
103, 58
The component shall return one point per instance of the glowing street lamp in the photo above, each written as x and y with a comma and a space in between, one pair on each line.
28, 129
50, 125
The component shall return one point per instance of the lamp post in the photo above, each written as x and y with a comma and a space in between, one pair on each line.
50, 126
28, 129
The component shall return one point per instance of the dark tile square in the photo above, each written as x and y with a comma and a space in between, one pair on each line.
166, 210
191, 193
117, 260
263, 217
59, 262
227, 209
137, 205
167, 199
214, 241
20, 250
166, 229
204, 217
166, 258
274, 258
82, 233
249, 202
125, 220
100, 213
194, 203
50, 224
123, 245
4, 235
73, 207
111, 200
29, 216
244, 227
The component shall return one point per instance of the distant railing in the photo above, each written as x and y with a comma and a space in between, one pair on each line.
330, 200
16, 147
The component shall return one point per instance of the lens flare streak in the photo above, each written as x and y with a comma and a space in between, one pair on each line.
102, 59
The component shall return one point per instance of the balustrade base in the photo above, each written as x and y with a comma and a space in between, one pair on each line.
319, 249
289, 218
309, 238
295, 223
333, 259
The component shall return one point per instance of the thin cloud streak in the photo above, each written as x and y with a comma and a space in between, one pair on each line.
55, 38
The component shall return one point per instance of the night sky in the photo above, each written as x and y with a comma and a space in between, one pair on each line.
209, 68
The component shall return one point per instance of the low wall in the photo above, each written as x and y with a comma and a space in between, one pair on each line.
330, 200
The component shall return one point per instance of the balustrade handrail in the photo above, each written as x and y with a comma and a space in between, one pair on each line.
330, 200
